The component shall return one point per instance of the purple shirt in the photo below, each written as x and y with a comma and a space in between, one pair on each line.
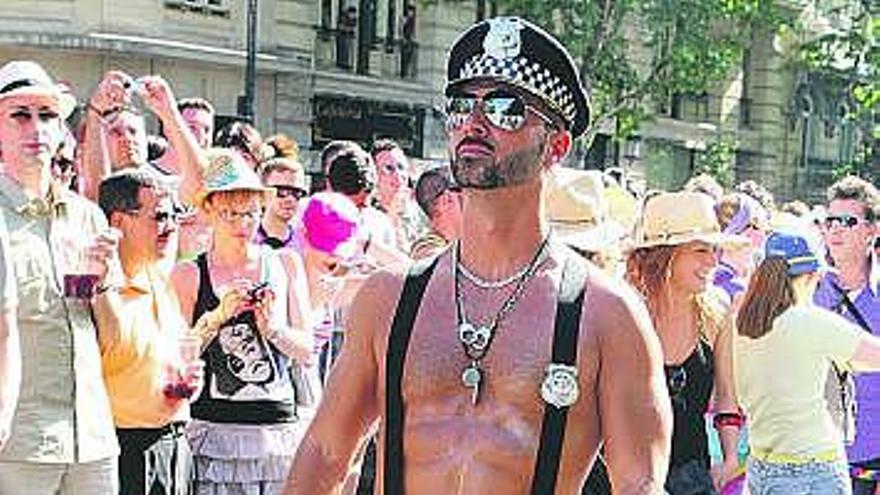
726, 278
867, 444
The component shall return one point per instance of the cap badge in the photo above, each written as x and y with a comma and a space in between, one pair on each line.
503, 39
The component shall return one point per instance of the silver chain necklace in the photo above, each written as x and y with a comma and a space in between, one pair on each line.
491, 284
476, 339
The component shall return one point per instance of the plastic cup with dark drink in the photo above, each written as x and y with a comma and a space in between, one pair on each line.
78, 281
80, 285
189, 347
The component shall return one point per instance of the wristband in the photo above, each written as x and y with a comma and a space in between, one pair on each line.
723, 419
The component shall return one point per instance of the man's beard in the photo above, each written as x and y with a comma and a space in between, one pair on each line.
487, 172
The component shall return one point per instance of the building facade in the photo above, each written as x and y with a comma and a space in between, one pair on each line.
362, 69
323, 71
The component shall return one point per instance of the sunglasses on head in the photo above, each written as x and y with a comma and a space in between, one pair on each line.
843, 220
285, 191
503, 109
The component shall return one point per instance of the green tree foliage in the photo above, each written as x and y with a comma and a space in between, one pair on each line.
717, 160
846, 53
635, 54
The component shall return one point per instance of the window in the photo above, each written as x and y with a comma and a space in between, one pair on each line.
207, 6
745, 101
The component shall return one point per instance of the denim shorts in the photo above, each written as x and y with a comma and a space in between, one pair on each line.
810, 478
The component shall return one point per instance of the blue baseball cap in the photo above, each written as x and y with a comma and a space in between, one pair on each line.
798, 250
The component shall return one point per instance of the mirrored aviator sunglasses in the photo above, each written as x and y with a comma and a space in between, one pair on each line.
503, 109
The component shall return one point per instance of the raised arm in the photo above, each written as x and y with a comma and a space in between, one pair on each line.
189, 162
350, 406
111, 94
634, 406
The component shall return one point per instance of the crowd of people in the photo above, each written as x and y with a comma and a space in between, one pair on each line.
193, 313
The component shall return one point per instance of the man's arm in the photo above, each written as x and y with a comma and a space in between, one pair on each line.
10, 370
350, 405
110, 94
634, 406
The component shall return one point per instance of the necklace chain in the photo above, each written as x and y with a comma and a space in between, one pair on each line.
476, 353
491, 284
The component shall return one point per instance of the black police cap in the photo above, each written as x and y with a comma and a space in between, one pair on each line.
516, 52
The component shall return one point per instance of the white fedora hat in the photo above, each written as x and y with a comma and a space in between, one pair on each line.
24, 77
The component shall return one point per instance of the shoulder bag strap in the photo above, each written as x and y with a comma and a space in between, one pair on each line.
853, 310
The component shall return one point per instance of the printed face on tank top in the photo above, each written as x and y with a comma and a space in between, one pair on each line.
243, 365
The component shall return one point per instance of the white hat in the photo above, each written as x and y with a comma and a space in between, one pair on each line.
21, 77
576, 210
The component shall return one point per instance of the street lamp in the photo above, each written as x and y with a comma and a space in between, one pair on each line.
246, 102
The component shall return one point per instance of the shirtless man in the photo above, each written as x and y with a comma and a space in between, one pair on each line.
478, 411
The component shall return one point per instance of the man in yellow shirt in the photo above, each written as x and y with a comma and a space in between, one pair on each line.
149, 372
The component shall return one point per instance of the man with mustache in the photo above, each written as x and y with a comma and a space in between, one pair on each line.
501, 365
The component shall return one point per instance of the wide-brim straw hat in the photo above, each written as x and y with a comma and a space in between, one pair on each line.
24, 77
576, 210
674, 218
228, 171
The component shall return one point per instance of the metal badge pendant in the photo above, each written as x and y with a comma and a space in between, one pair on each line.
473, 337
560, 385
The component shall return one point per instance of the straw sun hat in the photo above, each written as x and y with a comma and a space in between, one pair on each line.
576, 209
228, 171
670, 219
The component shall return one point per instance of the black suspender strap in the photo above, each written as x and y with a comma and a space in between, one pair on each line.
565, 347
395, 359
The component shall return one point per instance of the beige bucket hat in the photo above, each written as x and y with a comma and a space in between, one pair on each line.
670, 219
577, 211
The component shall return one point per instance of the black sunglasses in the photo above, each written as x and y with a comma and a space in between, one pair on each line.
285, 191
503, 109
843, 220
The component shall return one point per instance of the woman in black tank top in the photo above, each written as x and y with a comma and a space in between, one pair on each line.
244, 430
672, 269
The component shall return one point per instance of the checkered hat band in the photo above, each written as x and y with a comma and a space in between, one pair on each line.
526, 74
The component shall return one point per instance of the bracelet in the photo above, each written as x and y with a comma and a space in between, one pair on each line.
723, 419
101, 289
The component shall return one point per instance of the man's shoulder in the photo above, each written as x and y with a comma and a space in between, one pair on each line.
612, 307
79, 205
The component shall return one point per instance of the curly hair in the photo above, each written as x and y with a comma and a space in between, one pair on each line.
858, 189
